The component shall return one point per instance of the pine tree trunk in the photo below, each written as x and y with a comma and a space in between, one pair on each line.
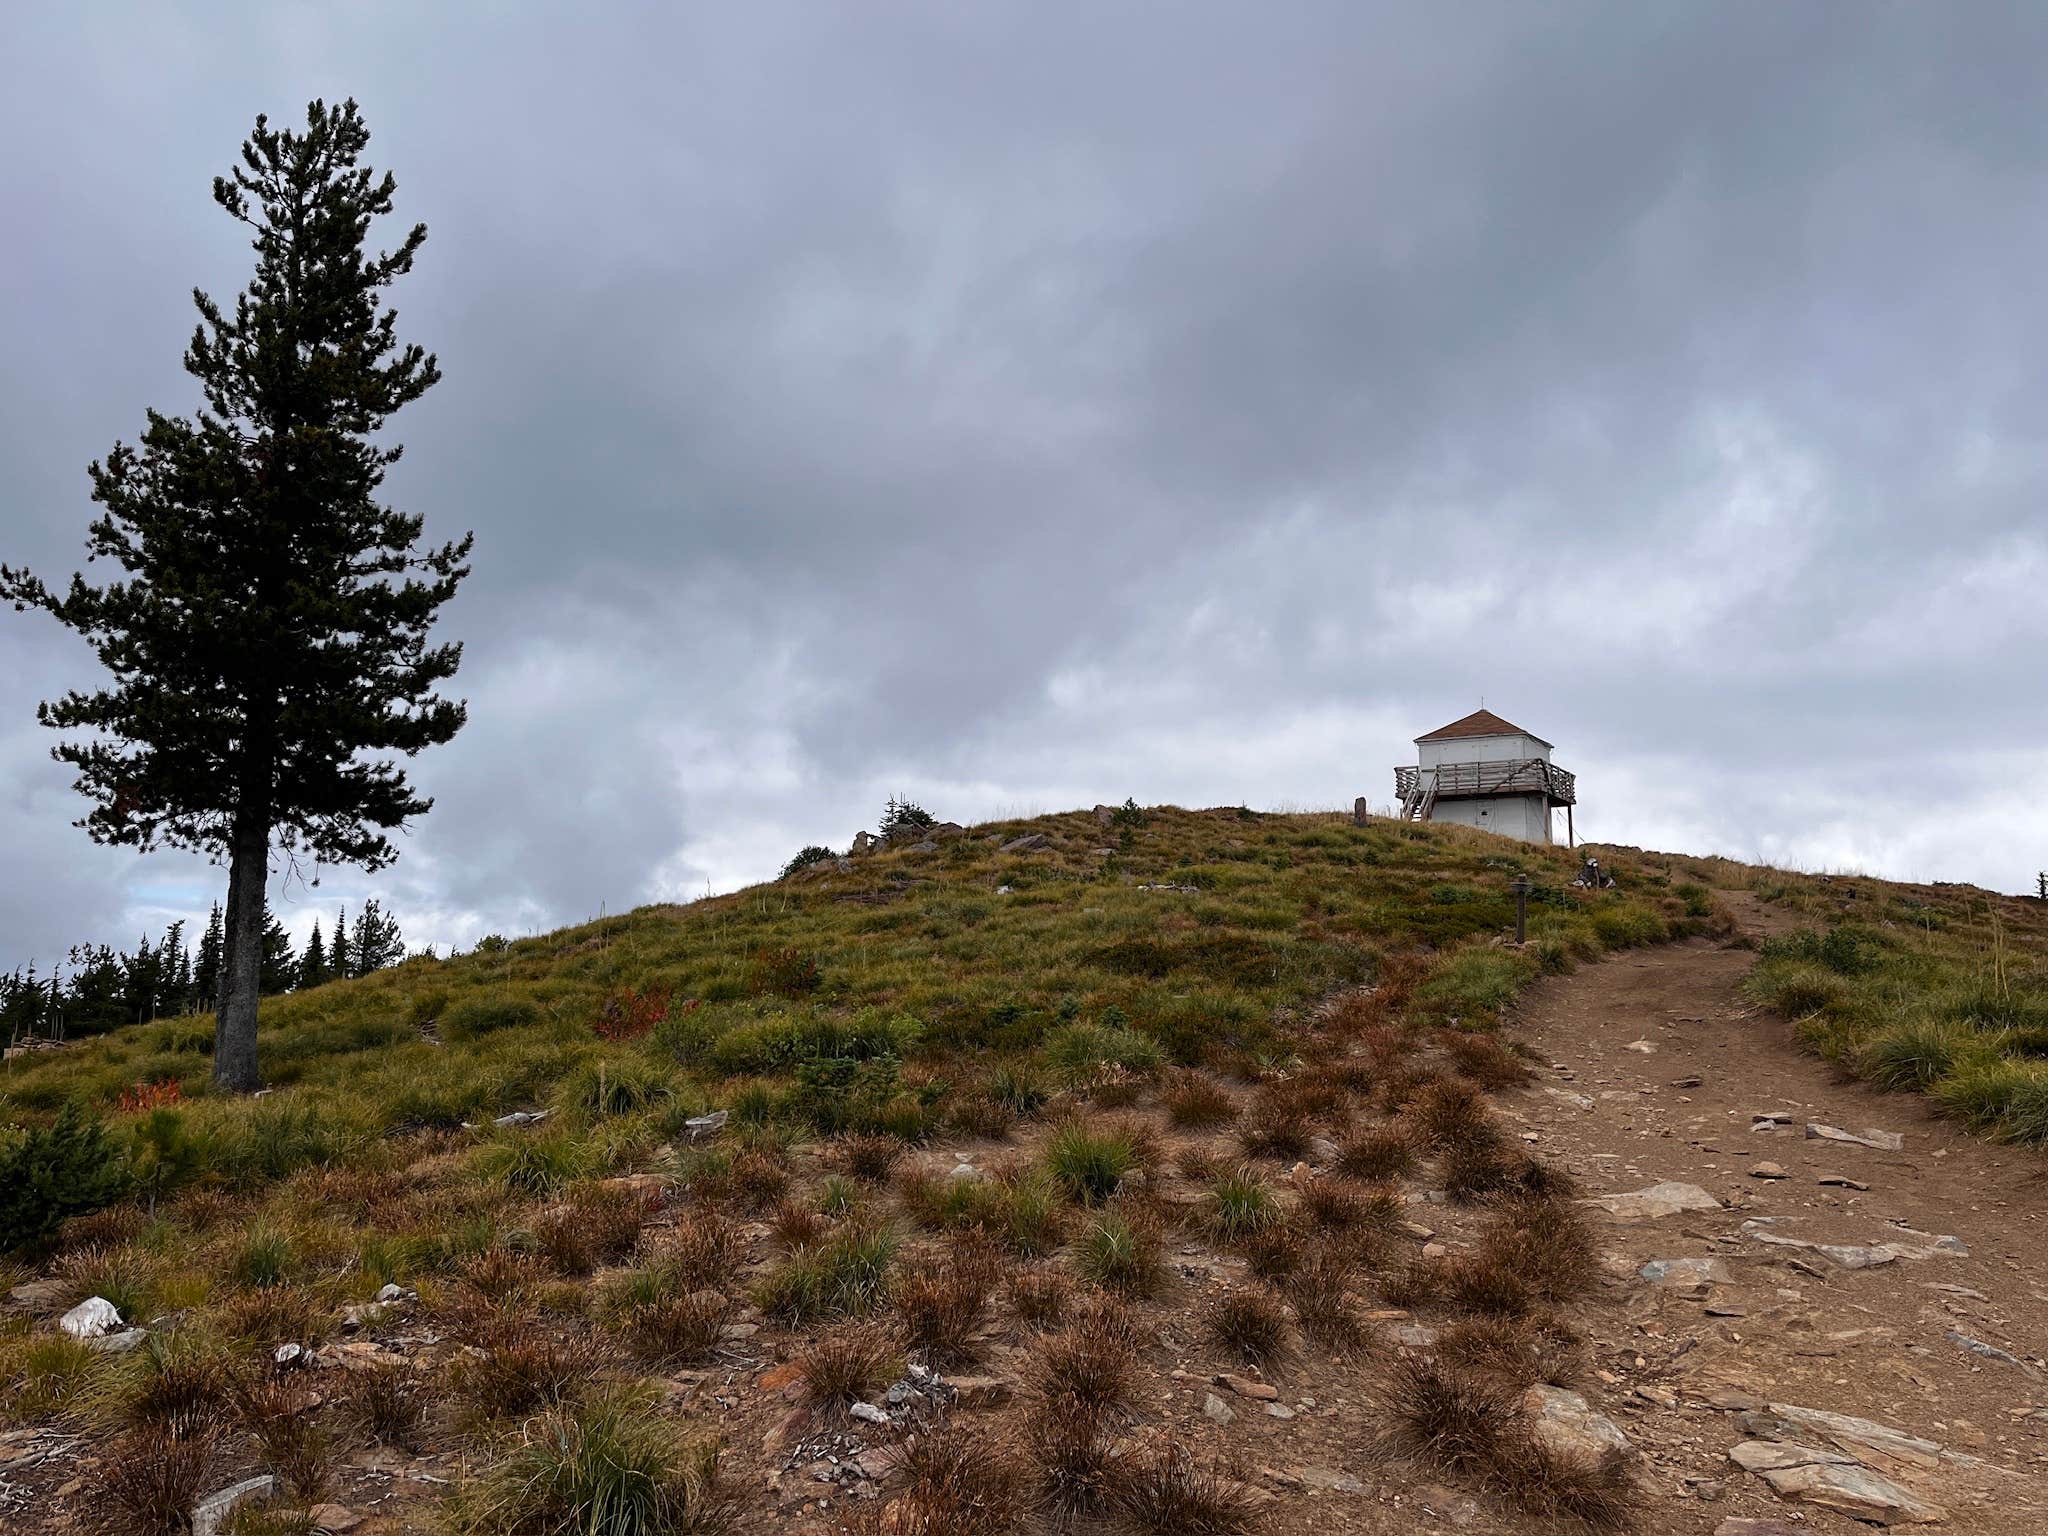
241, 963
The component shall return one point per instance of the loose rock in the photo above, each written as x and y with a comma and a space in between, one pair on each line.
211, 1513
90, 1318
1883, 1141
1659, 1200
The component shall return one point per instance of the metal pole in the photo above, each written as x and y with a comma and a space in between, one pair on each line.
1520, 886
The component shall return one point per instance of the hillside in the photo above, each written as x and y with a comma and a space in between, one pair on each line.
1046, 1123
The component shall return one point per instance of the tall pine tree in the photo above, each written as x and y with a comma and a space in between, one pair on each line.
340, 964
269, 645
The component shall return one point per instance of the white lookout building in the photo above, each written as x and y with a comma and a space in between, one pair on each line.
1483, 772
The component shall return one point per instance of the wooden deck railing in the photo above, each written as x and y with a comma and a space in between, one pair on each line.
1456, 781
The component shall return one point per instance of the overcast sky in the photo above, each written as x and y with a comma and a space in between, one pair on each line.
1020, 406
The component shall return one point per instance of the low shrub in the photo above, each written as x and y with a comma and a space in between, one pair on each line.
51, 1173
841, 1366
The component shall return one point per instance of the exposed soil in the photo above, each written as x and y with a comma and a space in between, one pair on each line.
1873, 1342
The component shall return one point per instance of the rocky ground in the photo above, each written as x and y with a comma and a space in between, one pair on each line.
1835, 1331
1820, 1308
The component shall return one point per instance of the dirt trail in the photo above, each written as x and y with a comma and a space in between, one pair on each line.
1684, 1370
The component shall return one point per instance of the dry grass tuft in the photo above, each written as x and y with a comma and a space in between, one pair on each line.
1484, 1060
955, 1486
1092, 1363
386, 1403
942, 1303
522, 1366
1275, 1252
1459, 1421
1073, 1462
594, 1226
1169, 1493
1346, 1205
701, 1250
840, 1366
1416, 1283
1196, 1101
794, 1224
864, 1155
1386, 1153
758, 1181
1547, 1243
149, 1482
1252, 1325
289, 1439
1320, 1290
1450, 1116
1471, 1423
1039, 1294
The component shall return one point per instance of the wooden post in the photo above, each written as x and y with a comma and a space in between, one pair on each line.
1570, 841
1520, 886
1358, 812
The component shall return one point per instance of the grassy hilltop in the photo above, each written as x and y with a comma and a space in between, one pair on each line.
1198, 938
1129, 1029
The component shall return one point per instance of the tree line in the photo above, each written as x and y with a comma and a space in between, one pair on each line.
98, 988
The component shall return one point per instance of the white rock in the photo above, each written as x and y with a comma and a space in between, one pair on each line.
1883, 1141
697, 1127
1564, 1422
868, 1413
90, 1318
1659, 1200
209, 1514
1213, 1407
117, 1343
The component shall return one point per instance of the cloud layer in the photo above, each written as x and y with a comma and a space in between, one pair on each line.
1020, 406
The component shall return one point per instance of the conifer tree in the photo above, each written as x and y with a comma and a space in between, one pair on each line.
313, 964
206, 969
268, 643
279, 970
339, 965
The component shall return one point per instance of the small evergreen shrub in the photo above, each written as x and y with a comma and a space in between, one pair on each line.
53, 1172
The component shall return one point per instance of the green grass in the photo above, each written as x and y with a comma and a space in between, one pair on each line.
1091, 1163
1940, 990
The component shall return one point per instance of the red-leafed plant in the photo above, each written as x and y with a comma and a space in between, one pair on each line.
140, 1098
629, 1014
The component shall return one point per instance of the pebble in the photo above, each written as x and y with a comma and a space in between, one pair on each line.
1769, 1171
1214, 1408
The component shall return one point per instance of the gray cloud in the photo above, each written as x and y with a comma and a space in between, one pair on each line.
1021, 406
